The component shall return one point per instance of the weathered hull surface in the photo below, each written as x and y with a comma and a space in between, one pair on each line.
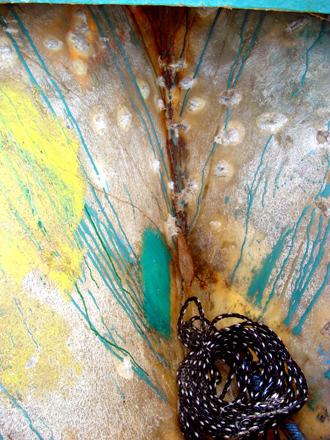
147, 155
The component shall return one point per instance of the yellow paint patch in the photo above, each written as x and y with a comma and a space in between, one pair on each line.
41, 192
34, 352
41, 199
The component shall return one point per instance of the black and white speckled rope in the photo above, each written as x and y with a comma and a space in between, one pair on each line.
269, 384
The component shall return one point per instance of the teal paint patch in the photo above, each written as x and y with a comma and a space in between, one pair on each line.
282, 5
155, 259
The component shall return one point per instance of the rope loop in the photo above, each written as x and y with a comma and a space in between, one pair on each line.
236, 382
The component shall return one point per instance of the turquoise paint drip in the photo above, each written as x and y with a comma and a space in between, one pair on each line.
149, 60
93, 298
11, 398
31, 335
261, 277
302, 268
106, 43
111, 346
12, 340
325, 356
249, 48
308, 271
33, 80
147, 380
250, 198
93, 329
201, 58
307, 60
136, 86
109, 264
51, 438
155, 259
327, 374
202, 187
169, 208
21, 221
118, 251
117, 387
227, 119
104, 342
326, 191
276, 179
90, 273
18, 307
265, 190
119, 295
239, 49
244, 57
125, 236
109, 332
28, 159
130, 199
287, 257
298, 327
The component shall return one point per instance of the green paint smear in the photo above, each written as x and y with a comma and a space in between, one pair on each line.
155, 259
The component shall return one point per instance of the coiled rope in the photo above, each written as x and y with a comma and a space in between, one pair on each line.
264, 385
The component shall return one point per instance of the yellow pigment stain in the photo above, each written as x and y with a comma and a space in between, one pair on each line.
34, 353
41, 192
41, 199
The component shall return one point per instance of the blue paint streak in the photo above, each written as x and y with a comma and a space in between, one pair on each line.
153, 149
249, 48
298, 327
105, 272
52, 438
202, 187
277, 177
149, 60
287, 257
107, 346
261, 277
325, 356
136, 86
239, 49
33, 80
30, 333
201, 58
301, 285
93, 298
326, 191
227, 119
23, 411
105, 40
307, 59
117, 387
130, 199
250, 198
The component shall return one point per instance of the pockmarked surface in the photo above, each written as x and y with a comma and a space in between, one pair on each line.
148, 155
